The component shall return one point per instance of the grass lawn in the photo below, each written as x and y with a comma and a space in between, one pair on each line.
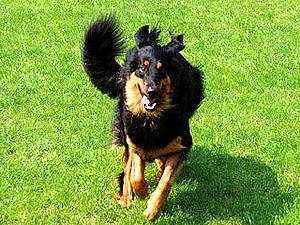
56, 165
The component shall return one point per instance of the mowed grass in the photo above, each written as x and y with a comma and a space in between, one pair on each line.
56, 165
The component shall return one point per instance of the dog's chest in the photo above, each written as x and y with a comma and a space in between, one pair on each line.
150, 133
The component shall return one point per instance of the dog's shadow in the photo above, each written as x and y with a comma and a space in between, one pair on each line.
224, 188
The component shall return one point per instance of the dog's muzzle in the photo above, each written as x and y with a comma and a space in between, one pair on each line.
149, 100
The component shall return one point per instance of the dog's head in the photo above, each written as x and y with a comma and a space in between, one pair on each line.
148, 88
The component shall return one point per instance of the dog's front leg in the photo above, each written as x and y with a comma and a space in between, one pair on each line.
160, 162
138, 182
156, 202
126, 197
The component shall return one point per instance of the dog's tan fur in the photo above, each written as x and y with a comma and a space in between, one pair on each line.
168, 161
158, 198
155, 103
134, 97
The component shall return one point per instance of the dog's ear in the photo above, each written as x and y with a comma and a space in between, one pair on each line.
175, 45
144, 38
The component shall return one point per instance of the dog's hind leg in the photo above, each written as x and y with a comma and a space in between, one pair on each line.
138, 182
160, 162
156, 202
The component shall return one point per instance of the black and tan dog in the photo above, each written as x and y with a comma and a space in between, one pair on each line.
158, 92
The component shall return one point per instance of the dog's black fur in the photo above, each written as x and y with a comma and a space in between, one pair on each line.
148, 131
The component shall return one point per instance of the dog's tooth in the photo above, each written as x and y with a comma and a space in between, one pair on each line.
152, 106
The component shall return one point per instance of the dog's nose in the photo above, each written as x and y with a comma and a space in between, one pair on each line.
152, 92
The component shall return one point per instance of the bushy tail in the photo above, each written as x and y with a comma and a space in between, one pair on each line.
101, 45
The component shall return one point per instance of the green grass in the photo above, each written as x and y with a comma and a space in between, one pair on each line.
56, 165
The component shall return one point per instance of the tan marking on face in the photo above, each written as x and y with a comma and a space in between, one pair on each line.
134, 97
146, 62
158, 65
167, 90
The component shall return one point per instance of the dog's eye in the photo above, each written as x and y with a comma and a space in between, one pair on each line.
142, 68
158, 65
140, 72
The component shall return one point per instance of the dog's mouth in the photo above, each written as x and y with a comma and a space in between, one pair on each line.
148, 103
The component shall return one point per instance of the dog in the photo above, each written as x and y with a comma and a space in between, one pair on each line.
158, 91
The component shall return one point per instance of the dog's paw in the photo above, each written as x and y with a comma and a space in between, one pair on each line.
125, 201
154, 207
142, 192
151, 214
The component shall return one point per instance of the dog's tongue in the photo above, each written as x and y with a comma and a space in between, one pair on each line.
147, 103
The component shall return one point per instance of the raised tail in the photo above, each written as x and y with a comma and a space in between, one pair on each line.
102, 43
